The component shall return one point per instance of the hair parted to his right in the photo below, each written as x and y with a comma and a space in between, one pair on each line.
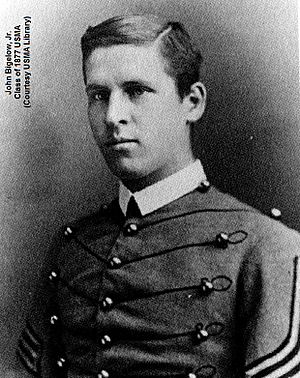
182, 60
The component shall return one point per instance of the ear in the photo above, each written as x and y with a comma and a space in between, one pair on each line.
195, 102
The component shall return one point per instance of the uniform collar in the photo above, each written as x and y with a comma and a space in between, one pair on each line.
165, 191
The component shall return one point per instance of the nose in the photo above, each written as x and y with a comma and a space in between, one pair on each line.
118, 110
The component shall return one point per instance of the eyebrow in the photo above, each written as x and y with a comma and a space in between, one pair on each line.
95, 86
138, 82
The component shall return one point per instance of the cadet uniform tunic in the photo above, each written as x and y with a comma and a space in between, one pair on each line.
203, 286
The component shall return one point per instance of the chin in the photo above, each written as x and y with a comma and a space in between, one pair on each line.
127, 171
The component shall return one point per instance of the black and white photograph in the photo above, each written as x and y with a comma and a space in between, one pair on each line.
150, 189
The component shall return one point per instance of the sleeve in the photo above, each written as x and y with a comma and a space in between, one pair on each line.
271, 339
39, 349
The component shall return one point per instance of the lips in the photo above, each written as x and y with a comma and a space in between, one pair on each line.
120, 141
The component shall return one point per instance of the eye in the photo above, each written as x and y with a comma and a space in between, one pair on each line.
98, 96
135, 91
101, 96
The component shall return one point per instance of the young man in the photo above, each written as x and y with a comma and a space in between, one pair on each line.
173, 278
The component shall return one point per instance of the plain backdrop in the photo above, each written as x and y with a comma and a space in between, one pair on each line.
51, 171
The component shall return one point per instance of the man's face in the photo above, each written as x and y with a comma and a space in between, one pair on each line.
135, 112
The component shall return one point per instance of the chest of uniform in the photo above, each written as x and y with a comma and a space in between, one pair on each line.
176, 277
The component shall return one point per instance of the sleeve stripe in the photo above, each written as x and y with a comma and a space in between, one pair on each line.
26, 339
28, 349
287, 356
292, 373
30, 366
32, 335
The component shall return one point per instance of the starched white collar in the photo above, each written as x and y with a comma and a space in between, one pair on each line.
165, 191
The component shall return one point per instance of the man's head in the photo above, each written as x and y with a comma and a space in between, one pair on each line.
142, 83
181, 60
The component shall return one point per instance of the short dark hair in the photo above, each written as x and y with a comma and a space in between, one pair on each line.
182, 59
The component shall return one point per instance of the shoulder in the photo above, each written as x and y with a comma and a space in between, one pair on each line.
263, 228
108, 215
265, 241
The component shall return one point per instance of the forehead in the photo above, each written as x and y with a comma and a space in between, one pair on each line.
126, 62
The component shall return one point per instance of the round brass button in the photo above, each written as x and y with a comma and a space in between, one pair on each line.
222, 240
206, 286
115, 262
61, 362
131, 229
103, 374
53, 319
275, 213
105, 340
202, 335
53, 276
106, 303
204, 186
68, 231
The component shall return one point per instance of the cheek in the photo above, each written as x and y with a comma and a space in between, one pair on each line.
95, 113
96, 119
168, 109
97, 126
163, 122
156, 113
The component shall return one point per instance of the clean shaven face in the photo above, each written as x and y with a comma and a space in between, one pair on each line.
136, 115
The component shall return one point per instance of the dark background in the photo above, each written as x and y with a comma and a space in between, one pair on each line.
51, 170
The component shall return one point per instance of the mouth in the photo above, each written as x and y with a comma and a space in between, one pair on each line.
120, 142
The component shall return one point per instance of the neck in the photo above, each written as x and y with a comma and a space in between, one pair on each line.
137, 184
